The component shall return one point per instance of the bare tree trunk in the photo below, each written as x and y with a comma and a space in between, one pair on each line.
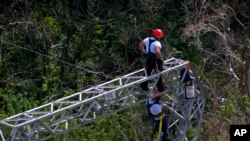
1, 48
247, 68
45, 52
247, 81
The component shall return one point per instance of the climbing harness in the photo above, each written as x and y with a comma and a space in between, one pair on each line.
150, 55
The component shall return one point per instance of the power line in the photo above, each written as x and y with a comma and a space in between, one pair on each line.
58, 60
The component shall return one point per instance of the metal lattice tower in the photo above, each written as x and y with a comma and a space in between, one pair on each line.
81, 108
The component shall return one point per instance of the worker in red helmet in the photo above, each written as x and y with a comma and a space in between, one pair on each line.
150, 47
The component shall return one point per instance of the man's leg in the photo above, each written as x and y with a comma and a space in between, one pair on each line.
159, 85
149, 69
156, 126
164, 128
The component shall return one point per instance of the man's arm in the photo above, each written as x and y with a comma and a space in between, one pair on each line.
158, 58
158, 53
141, 47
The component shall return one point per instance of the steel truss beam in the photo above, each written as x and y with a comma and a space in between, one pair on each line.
81, 108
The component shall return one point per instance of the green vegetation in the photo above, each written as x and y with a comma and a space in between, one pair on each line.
51, 49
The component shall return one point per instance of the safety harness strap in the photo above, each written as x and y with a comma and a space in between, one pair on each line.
151, 40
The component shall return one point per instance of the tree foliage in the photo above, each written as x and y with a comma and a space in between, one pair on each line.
50, 49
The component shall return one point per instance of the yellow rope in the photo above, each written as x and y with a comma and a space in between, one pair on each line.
160, 127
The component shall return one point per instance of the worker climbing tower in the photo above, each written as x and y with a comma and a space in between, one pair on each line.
184, 108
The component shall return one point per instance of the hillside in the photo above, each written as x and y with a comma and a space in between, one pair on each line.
52, 49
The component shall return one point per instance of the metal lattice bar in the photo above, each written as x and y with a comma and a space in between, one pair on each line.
89, 105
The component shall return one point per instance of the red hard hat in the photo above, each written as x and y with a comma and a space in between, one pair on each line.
158, 33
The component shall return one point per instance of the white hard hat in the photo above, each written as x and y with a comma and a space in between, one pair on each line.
155, 109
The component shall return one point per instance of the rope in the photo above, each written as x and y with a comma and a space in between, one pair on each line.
160, 127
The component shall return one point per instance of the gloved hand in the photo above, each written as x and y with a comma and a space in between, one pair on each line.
159, 64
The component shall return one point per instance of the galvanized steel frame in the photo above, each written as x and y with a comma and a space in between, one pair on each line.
89, 105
